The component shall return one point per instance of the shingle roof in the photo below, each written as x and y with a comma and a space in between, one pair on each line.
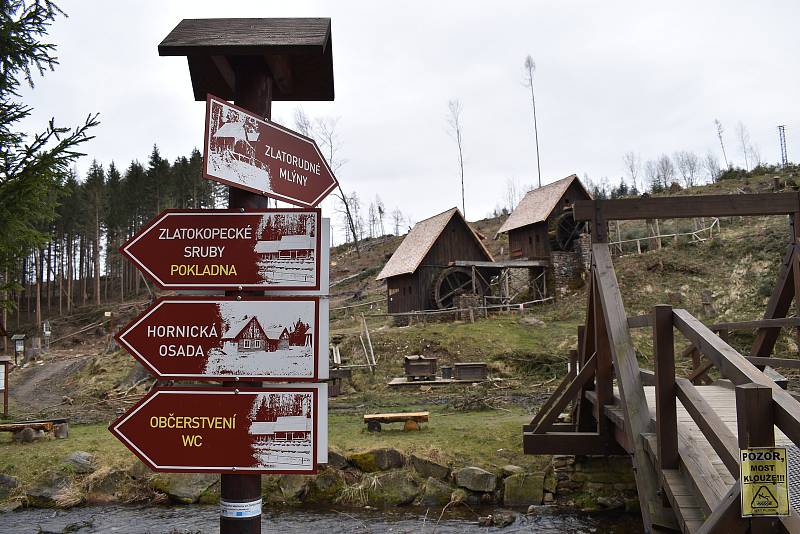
538, 204
419, 241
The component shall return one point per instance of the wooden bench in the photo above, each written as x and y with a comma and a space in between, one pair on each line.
411, 420
58, 427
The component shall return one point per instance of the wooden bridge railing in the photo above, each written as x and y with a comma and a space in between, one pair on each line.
761, 404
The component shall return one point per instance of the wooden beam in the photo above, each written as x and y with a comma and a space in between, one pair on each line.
756, 428
640, 321
702, 474
779, 322
687, 206
666, 415
569, 443
777, 306
569, 394
281, 69
604, 372
699, 373
713, 428
738, 370
634, 403
648, 377
790, 363
225, 70
727, 517
559, 391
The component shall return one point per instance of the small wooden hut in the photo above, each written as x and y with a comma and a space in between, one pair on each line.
431, 246
543, 222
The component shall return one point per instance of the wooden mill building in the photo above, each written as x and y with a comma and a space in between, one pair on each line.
430, 247
543, 213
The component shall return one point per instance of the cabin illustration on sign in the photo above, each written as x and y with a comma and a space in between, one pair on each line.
235, 137
253, 337
285, 428
290, 247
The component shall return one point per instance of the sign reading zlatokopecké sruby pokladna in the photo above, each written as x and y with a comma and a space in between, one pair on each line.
243, 150
223, 338
226, 430
229, 249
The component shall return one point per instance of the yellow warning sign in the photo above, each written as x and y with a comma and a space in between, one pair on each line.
763, 476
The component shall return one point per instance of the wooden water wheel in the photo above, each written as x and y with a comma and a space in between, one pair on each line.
567, 230
452, 282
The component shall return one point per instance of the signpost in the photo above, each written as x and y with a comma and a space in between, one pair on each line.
230, 249
223, 338
765, 485
275, 429
245, 151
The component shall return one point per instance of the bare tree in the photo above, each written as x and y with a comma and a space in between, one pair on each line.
688, 166
397, 220
633, 166
755, 156
381, 213
513, 194
323, 131
372, 220
744, 143
711, 165
454, 124
718, 126
651, 173
665, 171
530, 68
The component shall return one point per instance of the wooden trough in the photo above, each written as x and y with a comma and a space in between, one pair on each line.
419, 367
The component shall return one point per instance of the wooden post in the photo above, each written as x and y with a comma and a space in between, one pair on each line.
604, 375
253, 92
5, 389
666, 416
754, 420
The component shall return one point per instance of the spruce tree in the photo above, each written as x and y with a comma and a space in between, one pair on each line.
32, 168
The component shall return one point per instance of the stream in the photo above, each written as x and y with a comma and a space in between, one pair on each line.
120, 519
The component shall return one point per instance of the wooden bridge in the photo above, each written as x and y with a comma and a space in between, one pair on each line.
683, 433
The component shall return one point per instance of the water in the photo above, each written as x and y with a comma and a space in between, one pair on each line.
117, 519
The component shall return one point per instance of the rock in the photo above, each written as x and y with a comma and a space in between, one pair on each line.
325, 487
485, 521
337, 460
293, 487
395, 488
105, 485
503, 519
531, 321
435, 493
429, 468
548, 497
508, 470
61, 431
46, 489
378, 460
475, 479
26, 435
7, 485
610, 503
139, 471
82, 462
183, 488
10, 506
523, 489
550, 481
211, 495
458, 495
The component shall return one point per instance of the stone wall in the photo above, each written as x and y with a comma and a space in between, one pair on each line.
566, 270
596, 482
583, 248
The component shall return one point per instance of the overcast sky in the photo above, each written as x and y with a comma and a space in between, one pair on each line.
611, 77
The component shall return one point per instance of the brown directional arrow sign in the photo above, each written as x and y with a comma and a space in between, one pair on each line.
213, 429
243, 150
222, 338
229, 249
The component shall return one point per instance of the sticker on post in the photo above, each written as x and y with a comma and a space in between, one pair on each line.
763, 477
240, 510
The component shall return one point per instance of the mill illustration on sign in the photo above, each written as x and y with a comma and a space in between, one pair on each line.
223, 430
244, 151
226, 249
264, 338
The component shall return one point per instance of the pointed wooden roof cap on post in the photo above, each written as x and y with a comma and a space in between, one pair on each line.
298, 52
418, 242
538, 204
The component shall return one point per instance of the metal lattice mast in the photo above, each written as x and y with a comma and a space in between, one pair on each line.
782, 141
